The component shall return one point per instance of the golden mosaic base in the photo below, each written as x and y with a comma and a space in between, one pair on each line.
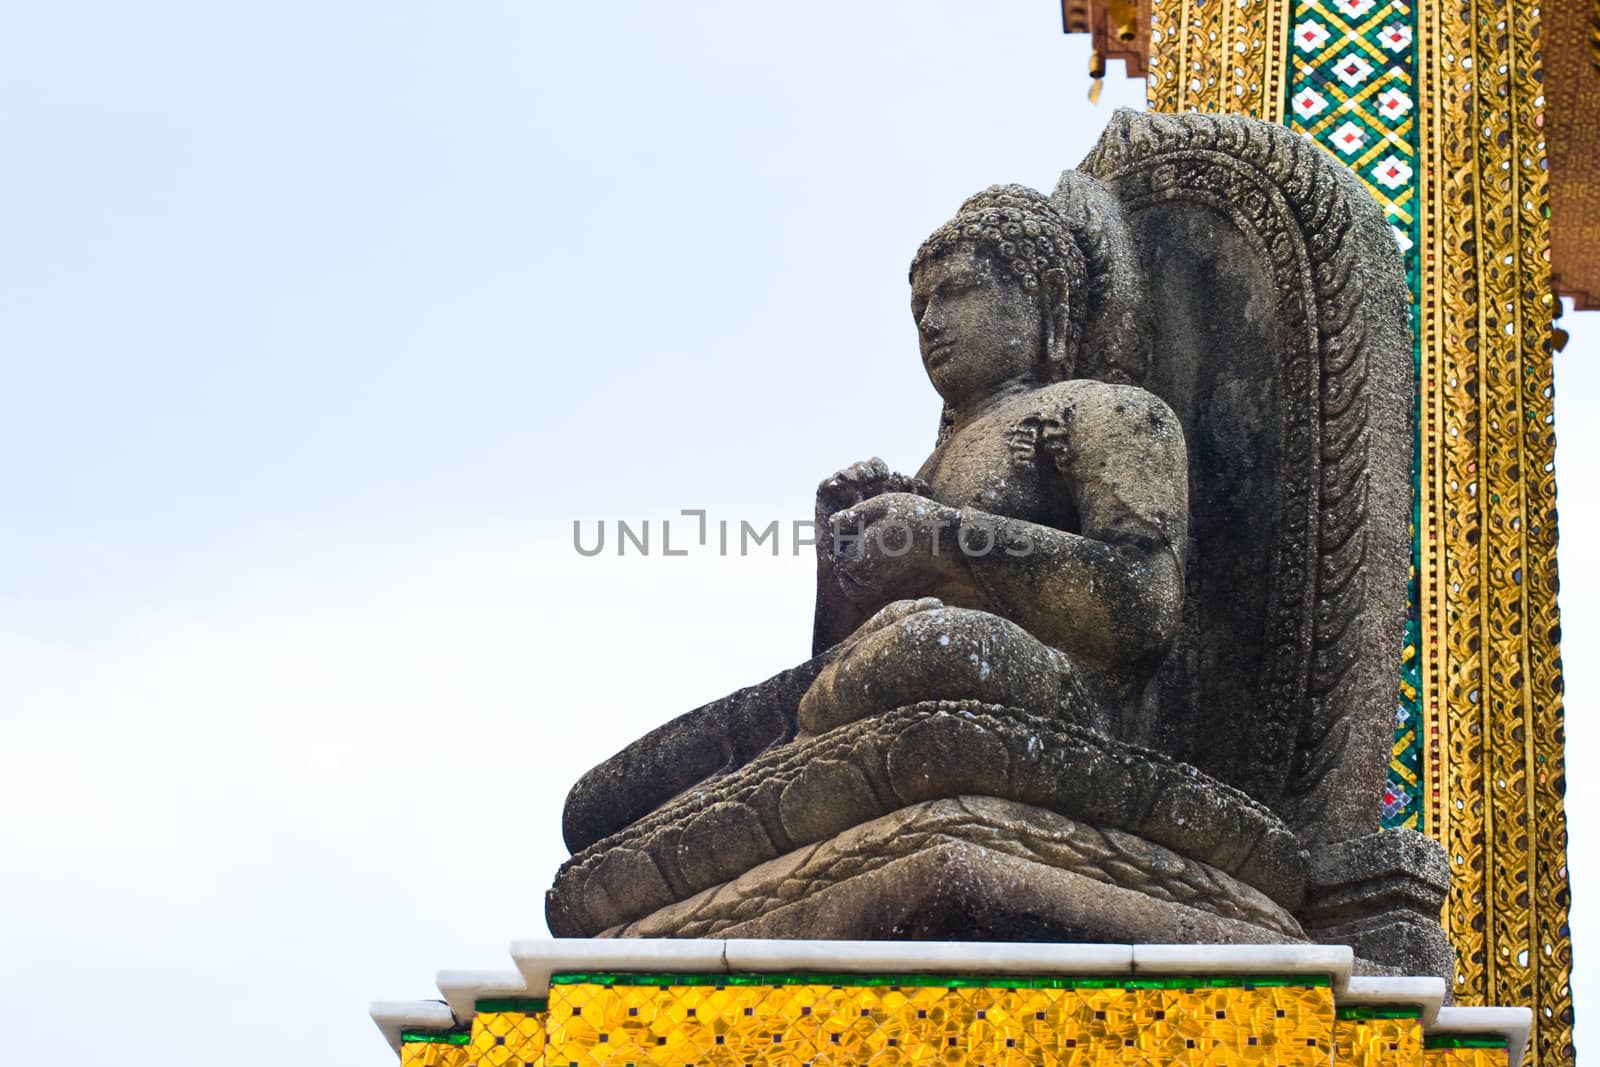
805, 1021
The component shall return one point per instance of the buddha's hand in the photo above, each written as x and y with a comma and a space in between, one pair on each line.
898, 544
861, 481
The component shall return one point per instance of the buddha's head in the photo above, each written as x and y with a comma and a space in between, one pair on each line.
996, 295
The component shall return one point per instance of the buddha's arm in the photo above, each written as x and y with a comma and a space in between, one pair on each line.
1113, 592
1109, 601
1111, 596
837, 614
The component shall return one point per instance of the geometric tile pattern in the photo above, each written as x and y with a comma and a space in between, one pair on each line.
1367, 1037
509, 1036
812, 1022
821, 1021
507, 1039
1353, 90
418, 1050
1464, 1052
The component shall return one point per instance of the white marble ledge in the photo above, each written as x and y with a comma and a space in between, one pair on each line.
1426, 995
1513, 1024
463, 989
537, 960
926, 957
1334, 961
393, 1016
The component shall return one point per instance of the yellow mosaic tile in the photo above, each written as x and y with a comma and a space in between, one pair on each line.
1378, 1042
430, 1054
506, 1039
799, 1023
1465, 1057
594, 1025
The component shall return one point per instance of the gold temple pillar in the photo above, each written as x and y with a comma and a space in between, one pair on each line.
1440, 107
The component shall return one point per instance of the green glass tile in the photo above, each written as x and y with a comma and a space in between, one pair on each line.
1378, 1013
525, 1005
418, 1037
1463, 1041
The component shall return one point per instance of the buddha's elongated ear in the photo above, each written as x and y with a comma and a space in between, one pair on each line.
1109, 301
1053, 297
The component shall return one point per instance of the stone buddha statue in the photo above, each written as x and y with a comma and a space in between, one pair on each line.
1118, 662
1037, 557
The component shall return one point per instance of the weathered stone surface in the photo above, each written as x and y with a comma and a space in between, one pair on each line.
1382, 894
1396, 943
711, 740
1078, 882
1163, 527
958, 653
812, 789
1401, 869
1280, 337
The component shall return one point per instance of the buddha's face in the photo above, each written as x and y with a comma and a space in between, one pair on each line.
978, 329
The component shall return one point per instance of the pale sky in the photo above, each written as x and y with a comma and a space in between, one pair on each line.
319, 324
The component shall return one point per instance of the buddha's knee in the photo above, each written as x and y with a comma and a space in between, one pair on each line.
937, 654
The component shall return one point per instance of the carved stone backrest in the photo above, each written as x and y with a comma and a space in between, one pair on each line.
1279, 333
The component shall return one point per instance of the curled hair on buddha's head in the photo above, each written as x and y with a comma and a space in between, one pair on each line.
1027, 239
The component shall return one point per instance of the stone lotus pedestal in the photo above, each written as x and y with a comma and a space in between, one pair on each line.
946, 820
676, 1003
